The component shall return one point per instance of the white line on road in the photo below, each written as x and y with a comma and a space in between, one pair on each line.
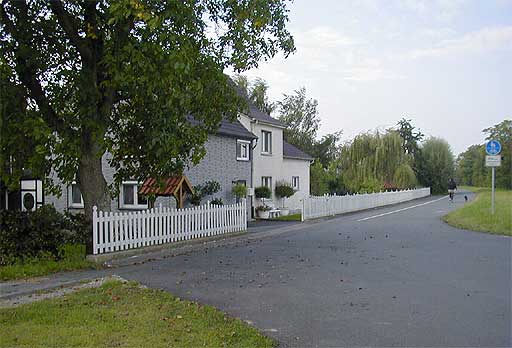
399, 210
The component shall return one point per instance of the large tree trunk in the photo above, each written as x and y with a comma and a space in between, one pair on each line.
92, 183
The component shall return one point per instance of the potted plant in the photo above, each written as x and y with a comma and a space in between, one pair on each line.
240, 191
263, 211
262, 192
284, 190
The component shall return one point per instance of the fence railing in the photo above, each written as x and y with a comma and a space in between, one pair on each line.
321, 206
129, 230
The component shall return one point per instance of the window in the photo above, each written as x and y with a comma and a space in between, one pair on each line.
295, 183
75, 199
266, 142
130, 198
266, 181
242, 150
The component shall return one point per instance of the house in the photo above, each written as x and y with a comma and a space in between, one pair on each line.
227, 161
249, 151
274, 160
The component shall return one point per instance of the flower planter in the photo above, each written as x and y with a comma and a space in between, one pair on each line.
263, 214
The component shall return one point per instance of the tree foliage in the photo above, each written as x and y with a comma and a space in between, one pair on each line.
122, 77
435, 164
470, 165
300, 114
371, 158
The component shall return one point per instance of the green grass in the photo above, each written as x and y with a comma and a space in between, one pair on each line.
123, 315
41, 267
292, 217
477, 216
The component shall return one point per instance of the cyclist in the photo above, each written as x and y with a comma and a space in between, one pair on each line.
452, 186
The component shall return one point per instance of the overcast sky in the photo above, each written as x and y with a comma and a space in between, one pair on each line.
446, 64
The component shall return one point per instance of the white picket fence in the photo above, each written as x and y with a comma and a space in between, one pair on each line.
129, 230
321, 206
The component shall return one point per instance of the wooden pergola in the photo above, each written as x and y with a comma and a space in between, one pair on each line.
176, 186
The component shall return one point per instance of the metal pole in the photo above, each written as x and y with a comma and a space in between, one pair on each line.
492, 192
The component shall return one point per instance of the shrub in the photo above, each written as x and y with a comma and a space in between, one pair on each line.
25, 235
263, 208
206, 189
239, 190
262, 192
284, 190
217, 201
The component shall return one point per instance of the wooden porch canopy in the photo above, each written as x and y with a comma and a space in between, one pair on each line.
176, 186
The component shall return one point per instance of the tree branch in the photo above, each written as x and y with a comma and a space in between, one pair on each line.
70, 27
26, 70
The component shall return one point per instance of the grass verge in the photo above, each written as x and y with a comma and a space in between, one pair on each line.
40, 267
292, 217
121, 314
477, 215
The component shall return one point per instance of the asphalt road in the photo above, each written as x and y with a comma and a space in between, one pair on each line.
401, 279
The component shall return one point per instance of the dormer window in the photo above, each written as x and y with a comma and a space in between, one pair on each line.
266, 142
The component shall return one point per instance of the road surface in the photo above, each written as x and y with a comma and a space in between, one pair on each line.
396, 276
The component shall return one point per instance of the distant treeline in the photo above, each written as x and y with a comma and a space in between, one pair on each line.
470, 165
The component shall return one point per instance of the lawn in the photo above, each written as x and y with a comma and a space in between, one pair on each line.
40, 267
121, 314
293, 217
477, 215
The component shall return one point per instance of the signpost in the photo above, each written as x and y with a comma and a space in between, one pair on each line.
493, 160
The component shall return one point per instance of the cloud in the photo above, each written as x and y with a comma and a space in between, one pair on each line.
483, 40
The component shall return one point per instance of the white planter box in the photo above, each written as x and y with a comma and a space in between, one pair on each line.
263, 214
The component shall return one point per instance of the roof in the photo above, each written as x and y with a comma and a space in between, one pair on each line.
167, 187
259, 115
290, 151
229, 128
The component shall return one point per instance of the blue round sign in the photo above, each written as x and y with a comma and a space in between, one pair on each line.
493, 147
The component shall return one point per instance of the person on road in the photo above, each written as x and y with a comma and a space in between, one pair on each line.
452, 186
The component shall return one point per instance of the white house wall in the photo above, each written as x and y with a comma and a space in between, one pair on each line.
275, 166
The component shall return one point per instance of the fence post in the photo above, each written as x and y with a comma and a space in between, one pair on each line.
94, 230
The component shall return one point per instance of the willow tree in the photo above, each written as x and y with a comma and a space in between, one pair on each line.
123, 76
371, 160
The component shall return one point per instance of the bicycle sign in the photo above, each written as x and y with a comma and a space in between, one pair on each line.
493, 147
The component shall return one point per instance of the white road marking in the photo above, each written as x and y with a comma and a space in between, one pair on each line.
399, 210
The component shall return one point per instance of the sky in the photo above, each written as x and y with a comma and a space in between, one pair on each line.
444, 64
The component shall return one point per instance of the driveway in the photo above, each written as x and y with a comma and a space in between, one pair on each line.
374, 278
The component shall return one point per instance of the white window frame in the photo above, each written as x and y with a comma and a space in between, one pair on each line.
296, 187
136, 205
72, 204
247, 145
263, 181
266, 142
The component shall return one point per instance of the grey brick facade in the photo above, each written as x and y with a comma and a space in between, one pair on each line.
219, 164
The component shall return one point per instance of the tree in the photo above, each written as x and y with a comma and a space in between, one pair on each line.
410, 137
318, 179
435, 164
371, 160
327, 149
256, 92
503, 132
123, 77
300, 114
470, 167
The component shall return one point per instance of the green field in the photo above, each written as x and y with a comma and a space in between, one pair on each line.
121, 314
477, 216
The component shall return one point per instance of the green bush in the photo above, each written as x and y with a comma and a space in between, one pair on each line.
404, 177
239, 190
25, 235
284, 190
262, 192
217, 201
206, 189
